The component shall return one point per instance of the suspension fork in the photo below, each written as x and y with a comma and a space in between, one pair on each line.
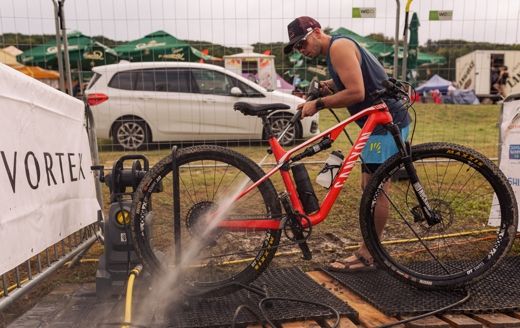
405, 151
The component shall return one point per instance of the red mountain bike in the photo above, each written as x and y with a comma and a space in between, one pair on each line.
451, 220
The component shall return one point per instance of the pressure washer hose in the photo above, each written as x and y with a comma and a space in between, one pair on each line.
129, 290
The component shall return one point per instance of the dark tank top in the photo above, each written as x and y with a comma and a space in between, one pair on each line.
373, 77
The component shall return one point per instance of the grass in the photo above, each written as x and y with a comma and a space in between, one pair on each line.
468, 125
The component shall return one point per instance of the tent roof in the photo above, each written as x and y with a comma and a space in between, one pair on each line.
280, 82
377, 48
7, 58
38, 72
76, 42
12, 50
435, 82
160, 42
156, 40
381, 49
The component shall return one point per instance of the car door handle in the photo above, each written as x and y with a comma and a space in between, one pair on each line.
144, 98
209, 100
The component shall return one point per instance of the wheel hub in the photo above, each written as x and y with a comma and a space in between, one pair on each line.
442, 214
197, 223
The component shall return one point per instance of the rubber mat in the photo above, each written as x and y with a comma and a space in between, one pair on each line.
500, 291
289, 282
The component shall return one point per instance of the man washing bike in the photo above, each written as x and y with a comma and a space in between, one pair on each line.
355, 75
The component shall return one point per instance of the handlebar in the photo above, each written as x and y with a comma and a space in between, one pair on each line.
392, 89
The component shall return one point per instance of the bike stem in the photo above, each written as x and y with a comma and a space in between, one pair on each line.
406, 154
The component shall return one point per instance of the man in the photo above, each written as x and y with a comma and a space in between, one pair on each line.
502, 81
355, 74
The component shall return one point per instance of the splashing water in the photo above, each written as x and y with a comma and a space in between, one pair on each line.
166, 288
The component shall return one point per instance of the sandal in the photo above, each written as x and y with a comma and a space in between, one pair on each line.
358, 264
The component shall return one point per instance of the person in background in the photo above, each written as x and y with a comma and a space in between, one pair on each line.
493, 78
355, 73
76, 88
503, 75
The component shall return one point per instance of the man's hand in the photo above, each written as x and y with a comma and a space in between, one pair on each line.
325, 88
307, 108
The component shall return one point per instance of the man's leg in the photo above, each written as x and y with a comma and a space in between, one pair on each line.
381, 216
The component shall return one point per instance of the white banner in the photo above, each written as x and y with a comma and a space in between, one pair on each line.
510, 150
46, 187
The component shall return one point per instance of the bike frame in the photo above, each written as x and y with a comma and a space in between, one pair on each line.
376, 115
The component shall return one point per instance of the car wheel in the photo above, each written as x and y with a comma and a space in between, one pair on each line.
278, 125
131, 134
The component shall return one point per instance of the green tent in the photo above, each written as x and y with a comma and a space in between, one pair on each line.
161, 46
385, 52
423, 59
84, 53
377, 48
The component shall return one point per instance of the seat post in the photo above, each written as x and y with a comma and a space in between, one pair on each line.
267, 127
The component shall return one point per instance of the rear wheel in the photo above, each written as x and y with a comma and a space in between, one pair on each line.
278, 124
131, 134
207, 259
465, 190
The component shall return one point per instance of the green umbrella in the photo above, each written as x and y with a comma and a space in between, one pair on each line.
160, 46
413, 43
84, 53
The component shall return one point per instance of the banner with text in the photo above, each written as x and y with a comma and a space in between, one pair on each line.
510, 150
47, 189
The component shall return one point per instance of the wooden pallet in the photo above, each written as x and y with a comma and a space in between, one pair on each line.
369, 316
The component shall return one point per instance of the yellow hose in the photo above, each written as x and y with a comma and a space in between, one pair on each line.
129, 290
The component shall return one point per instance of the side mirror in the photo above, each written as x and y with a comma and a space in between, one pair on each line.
236, 92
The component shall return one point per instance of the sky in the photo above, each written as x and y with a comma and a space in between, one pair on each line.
243, 22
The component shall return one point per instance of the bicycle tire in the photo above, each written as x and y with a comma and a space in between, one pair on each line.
464, 187
222, 259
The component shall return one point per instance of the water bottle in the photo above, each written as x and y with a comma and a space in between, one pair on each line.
329, 171
304, 188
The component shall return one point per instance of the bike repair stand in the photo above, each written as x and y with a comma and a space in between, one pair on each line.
176, 206
119, 255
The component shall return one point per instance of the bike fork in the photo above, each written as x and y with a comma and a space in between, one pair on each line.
406, 153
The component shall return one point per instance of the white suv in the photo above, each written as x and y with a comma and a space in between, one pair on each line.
138, 103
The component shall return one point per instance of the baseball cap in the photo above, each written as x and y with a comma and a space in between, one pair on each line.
298, 28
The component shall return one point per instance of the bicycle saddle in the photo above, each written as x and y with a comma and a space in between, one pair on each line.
258, 109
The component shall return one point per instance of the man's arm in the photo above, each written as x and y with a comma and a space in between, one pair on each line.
345, 58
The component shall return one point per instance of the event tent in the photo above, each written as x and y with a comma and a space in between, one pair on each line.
84, 53
385, 51
377, 48
43, 75
8, 55
434, 83
161, 46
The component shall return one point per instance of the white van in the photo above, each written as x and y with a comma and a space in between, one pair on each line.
474, 71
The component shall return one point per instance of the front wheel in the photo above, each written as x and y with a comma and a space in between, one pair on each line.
202, 257
476, 210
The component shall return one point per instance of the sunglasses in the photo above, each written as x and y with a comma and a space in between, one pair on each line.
303, 42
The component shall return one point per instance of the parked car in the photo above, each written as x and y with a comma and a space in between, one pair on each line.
138, 103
